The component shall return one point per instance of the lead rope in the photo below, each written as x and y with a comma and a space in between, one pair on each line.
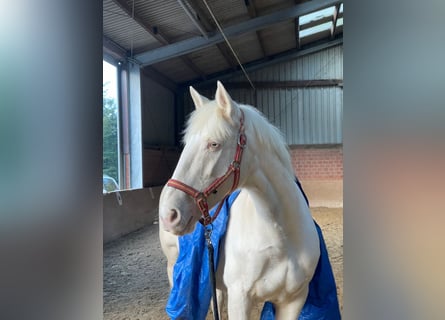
207, 234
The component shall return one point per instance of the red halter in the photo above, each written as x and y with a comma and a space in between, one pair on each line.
200, 197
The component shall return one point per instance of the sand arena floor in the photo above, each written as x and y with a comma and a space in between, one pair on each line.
135, 284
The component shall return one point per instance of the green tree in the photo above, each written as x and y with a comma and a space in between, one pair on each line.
110, 137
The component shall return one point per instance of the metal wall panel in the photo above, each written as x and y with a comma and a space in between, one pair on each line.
311, 115
325, 64
306, 115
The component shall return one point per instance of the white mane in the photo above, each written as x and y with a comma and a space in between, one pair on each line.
268, 136
206, 121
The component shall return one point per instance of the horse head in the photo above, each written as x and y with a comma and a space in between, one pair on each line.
210, 165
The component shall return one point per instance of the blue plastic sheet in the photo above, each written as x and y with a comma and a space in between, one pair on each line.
191, 292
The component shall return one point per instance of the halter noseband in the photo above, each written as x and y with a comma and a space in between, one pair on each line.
200, 197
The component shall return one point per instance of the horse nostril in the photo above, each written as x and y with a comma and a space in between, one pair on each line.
171, 218
173, 215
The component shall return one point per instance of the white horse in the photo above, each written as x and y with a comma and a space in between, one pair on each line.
271, 247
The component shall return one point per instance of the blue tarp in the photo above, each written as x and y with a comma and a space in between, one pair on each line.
191, 293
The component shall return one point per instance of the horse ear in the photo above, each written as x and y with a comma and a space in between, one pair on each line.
198, 99
224, 101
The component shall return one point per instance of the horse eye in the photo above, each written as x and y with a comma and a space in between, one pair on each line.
214, 145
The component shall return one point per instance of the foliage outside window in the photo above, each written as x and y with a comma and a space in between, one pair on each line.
110, 123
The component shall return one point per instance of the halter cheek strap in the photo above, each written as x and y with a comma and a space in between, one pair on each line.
200, 197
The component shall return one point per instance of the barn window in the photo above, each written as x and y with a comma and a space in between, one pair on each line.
122, 142
111, 147
320, 24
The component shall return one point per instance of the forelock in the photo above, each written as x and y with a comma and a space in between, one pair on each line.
207, 121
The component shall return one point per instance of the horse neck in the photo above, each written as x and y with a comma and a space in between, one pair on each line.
271, 185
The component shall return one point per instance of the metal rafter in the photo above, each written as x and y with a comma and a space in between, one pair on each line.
112, 49
135, 16
265, 62
297, 28
155, 33
186, 46
334, 20
192, 17
204, 23
285, 84
253, 14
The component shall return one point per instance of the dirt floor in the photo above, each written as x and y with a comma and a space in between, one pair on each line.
135, 285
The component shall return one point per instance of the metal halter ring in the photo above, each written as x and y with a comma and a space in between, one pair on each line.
242, 145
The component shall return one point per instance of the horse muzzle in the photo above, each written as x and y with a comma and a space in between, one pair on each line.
177, 212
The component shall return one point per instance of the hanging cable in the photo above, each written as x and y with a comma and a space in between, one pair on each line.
228, 43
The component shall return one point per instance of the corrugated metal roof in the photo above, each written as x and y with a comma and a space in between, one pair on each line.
210, 59
228, 12
278, 38
122, 29
176, 70
266, 6
168, 16
146, 25
247, 47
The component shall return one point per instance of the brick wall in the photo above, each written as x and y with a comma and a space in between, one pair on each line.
318, 162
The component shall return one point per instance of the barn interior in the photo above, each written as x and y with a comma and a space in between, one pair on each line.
283, 57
